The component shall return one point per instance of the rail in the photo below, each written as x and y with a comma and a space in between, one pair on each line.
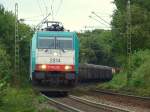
77, 104
109, 92
99, 105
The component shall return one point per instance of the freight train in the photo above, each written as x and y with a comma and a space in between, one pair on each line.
94, 73
54, 56
54, 59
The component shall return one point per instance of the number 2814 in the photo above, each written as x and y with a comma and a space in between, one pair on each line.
54, 60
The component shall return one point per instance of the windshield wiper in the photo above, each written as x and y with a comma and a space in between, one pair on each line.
62, 50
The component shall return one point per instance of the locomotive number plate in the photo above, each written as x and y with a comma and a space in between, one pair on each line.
54, 60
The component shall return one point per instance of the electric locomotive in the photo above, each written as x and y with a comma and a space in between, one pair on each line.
54, 56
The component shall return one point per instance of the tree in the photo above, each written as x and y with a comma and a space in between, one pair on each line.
140, 26
7, 40
96, 47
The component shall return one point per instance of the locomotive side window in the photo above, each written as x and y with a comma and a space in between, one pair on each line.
46, 43
64, 43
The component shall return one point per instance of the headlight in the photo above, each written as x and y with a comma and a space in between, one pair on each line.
55, 54
43, 67
67, 67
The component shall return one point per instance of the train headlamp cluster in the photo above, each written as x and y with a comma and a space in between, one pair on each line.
67, 67
43, 67
55, 54
54, 67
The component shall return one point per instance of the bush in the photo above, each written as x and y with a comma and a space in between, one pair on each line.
139, 58
23, 100
141, 78
4, 72
4, 66
141, 69
118, 82
139, 82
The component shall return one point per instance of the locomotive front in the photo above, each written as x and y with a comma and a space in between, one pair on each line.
54, 57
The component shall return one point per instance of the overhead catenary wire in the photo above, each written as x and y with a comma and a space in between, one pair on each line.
47, 15
30, 20
38, 2
104, 21
59, 6
45, 6
98, 21
6, 3
43, 20
33, 17
98, 27
52, 10
101, 18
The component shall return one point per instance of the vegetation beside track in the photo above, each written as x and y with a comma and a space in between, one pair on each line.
110, 47
139, 83
16, 95
23, 100
105, 47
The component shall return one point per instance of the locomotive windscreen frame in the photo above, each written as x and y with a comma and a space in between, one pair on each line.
64, 43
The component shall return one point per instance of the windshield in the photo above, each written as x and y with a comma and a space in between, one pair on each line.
46, 43
55, 42
64, 43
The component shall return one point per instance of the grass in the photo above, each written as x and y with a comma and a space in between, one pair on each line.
117, 83
138, 85
139, 82
23, 100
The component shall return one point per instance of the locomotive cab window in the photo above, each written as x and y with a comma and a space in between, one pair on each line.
64, 43
46, 43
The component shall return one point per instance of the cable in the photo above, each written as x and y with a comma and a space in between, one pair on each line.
30, 19
98, 21
52, 2
97, 27
42, 21
38, 2
52, 10
44, 3
100, 18
45, 6
4, 3
60, 4
33, 17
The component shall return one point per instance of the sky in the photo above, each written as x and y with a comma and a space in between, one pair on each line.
74, 14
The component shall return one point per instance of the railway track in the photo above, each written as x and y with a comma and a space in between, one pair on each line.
130, 102
77, 104
121, 95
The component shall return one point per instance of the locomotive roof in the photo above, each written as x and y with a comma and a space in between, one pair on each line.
53, 33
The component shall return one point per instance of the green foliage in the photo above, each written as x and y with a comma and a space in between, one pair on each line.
140, 34
117, 83
140, 25
11, 99
139, 82
25, 34
139, 58
41, 99
6, 30
7, 40
18, 101
141, 74
4, 72
22, 100
4, 67
95, 47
